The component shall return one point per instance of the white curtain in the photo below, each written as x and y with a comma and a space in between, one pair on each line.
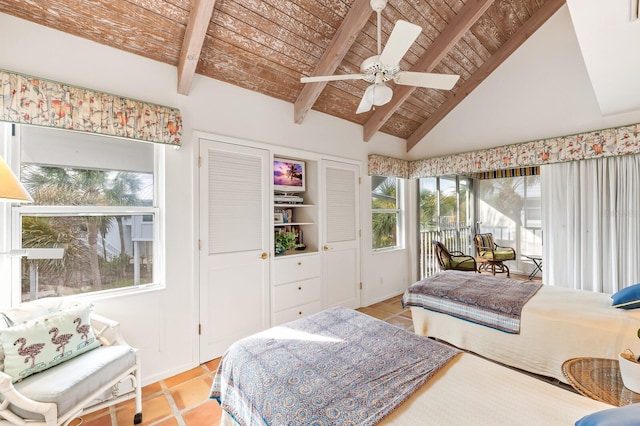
591, 223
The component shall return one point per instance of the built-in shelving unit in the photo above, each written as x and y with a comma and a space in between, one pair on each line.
300, 217
297, 284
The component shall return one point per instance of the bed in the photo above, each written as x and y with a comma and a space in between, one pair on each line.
255, 383
555, 324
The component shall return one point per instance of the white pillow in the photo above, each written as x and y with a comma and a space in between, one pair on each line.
43, 342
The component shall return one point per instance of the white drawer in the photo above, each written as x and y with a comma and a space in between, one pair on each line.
297, 312
290, 269
293, 294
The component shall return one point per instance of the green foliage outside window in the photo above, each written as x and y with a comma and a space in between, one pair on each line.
86, 265
385, 211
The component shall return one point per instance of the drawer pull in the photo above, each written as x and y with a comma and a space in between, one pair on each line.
300, 288
299, 263
300, 313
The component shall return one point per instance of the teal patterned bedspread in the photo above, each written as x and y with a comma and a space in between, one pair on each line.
336, 367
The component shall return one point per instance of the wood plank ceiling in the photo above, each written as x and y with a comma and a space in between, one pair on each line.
267, 45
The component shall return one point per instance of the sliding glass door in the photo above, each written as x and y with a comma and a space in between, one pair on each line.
446, 215
510, 208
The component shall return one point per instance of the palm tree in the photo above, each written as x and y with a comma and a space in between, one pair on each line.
384, 225
80, 235
507, 195
63, 186
428, 209
123, 193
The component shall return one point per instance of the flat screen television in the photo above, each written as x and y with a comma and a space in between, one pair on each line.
288, 175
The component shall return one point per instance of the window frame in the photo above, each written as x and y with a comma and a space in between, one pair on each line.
398, 211
18, 211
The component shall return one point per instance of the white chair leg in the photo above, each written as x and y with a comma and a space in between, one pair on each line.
137, 418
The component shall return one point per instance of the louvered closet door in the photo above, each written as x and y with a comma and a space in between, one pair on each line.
234, 234
341, 245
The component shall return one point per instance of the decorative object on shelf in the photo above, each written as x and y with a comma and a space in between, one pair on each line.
630, 370
283, 216
286, 241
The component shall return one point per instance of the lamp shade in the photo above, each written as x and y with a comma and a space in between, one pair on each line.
11, 189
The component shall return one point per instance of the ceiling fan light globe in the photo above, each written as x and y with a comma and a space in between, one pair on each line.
379, 94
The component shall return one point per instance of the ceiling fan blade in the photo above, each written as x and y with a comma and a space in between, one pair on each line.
402, 37
365, 103
425, 79
317, 78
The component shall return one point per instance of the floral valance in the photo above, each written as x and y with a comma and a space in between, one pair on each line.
31, 100
379, 165
622, 140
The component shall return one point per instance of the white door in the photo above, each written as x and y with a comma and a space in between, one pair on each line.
234, 246
341, 245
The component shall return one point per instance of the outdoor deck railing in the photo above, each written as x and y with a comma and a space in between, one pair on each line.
462, 240
453, 239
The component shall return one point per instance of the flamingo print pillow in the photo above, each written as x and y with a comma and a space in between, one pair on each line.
43, 342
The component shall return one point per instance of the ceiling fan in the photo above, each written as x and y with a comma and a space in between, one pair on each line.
385, 66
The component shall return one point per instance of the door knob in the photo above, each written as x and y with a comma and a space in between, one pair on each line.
325, 248
264, 256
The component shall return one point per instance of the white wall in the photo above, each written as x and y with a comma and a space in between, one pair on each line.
163, 324
542, 90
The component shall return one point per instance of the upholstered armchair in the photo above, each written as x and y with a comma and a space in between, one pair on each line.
491, 255
60, 360
453, 260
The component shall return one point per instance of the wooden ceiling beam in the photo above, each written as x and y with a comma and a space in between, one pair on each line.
453, 32
515, 41
192, 44
351, 26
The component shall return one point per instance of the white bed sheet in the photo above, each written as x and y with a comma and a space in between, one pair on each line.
474, 391
556, 324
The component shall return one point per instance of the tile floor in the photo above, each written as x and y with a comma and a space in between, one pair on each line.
183, 400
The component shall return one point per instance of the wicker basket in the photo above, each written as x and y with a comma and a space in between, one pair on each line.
630, 371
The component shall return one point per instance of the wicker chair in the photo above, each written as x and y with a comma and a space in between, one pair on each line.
491, 256
453, 260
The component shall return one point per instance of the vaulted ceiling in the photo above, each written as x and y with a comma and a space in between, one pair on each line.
267, 45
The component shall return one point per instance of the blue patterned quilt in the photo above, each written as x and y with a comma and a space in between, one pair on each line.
336, 367
484, 299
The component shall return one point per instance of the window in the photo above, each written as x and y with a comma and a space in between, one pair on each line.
385, 212
95, 198
510, 208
